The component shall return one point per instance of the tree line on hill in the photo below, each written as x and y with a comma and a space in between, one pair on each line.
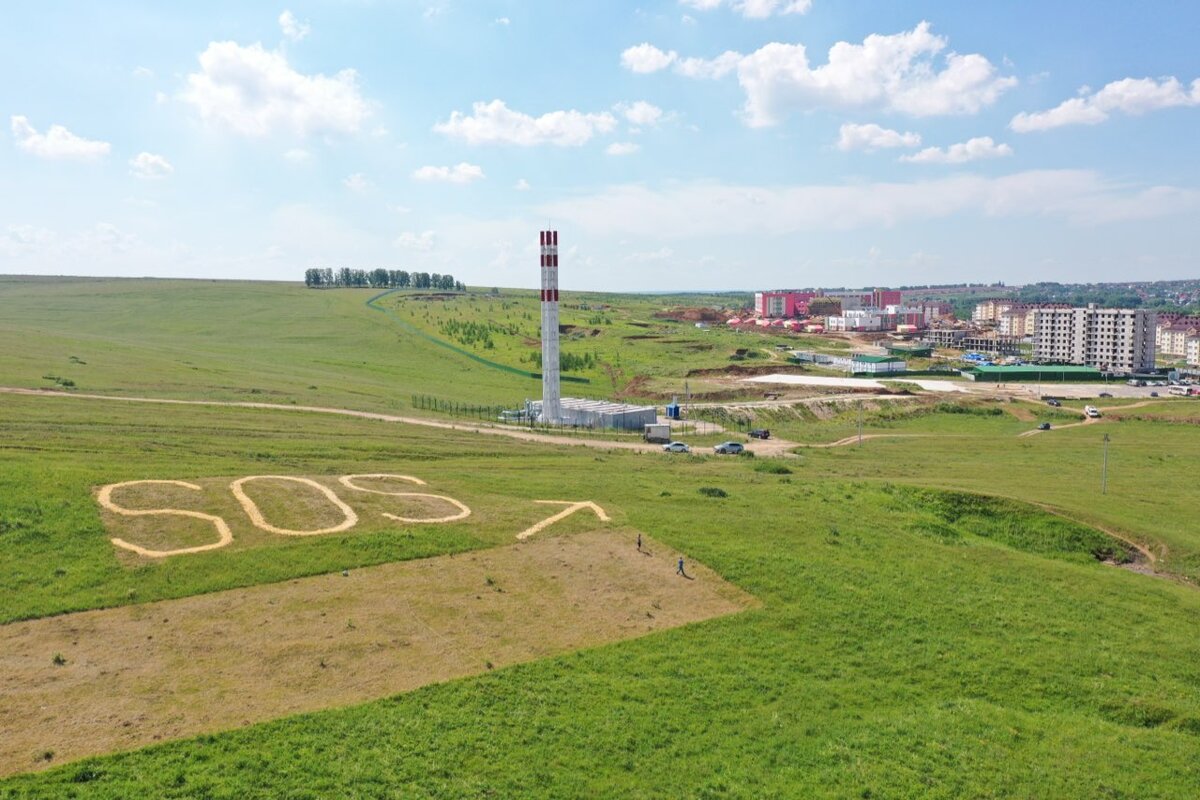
326, 278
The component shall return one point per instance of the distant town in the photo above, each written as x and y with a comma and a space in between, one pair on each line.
1139, 330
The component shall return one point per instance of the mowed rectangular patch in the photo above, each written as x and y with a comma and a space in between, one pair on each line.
136, 675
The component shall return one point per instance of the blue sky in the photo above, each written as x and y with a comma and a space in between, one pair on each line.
677, 144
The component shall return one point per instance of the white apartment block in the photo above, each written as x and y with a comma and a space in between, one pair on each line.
990, 310
1193, 351
1171, 337
1110, 339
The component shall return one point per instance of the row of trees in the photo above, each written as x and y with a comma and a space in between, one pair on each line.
326, 278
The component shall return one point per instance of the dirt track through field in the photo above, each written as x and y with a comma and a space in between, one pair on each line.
146, 673
772, 447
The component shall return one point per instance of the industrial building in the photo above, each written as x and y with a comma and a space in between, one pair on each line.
578, 412
1031, 373
553, 409
1117, 340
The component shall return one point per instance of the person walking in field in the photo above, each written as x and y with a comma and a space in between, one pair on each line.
639, 543
679, 569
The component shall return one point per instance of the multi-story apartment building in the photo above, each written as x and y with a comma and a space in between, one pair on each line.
1192, 351
990, 310
1110, 339
1018, 320
1171, 336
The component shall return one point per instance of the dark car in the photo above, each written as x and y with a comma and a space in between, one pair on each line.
1154, 394
1104, 394
1045, 426
760, 433
729, 448
1055, 403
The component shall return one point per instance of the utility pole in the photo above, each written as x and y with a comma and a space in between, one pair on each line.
1104, 468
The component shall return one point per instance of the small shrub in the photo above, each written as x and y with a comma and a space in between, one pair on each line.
772, 468
713, 491
59, 660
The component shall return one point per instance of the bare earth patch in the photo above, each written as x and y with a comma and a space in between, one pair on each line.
141, 674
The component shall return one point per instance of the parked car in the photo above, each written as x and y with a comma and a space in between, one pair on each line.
1053, 402
1154, 394
1044, 426
676, 447
1104, 394
729, 448
760, 433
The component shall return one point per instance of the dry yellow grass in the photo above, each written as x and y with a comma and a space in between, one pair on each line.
142, 674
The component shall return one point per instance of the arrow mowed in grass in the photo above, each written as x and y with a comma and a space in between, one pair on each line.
99, 681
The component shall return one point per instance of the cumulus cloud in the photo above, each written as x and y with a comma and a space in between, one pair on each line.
57, 143
1132, 96
496, 123
641, 113
521, 185
423, 241
754, 9
150, 166
293, 29
356, 182
899, 72
459, 173
696, 209
622, 148
872, 137
645, 58
971, 150
255, 92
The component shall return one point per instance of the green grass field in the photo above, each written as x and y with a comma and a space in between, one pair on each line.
925, 629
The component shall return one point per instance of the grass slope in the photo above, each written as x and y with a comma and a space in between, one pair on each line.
909, 643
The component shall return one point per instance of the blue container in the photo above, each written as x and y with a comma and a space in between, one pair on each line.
673, 411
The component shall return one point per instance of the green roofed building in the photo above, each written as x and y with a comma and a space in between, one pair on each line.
874, 364
917, 350
1041, 373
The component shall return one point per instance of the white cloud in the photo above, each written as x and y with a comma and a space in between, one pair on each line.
496, 123
56, 143
142, 72
709, 68
1133, 96
701, 209
504, 21
521, 185
895, 72
971, 150
293, 29
150, 166
641, 113
871, 137
356, 182
255, 92
459, 173
645, 57
423, 241
622, 148
754, 9
298, 155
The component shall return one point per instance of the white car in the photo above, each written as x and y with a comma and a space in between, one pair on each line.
676, 447
1091, 411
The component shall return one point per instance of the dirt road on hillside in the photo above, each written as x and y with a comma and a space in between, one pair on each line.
771, 447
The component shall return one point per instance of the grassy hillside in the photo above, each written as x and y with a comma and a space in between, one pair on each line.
925, 628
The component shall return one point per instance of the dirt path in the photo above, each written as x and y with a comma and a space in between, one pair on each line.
771, 447
142, 674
